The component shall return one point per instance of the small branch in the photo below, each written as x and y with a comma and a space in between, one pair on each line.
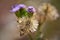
30, 37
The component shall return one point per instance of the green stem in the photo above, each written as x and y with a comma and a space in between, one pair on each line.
37, 37
30, 37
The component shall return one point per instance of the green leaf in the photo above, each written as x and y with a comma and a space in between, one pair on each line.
17, 14
30, 14
22, 12
38, 33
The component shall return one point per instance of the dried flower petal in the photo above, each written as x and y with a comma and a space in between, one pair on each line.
34, 25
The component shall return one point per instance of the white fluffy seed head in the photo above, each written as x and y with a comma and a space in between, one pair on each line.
52, 13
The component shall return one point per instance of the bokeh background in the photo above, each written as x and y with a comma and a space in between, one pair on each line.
7, 19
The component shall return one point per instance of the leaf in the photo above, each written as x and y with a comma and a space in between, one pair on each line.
17, 14
22, 12
30, 14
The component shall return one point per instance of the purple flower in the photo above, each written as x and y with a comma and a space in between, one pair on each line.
31, 9
17, 7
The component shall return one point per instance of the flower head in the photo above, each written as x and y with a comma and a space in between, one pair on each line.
22, 6
17, 7
31, 9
